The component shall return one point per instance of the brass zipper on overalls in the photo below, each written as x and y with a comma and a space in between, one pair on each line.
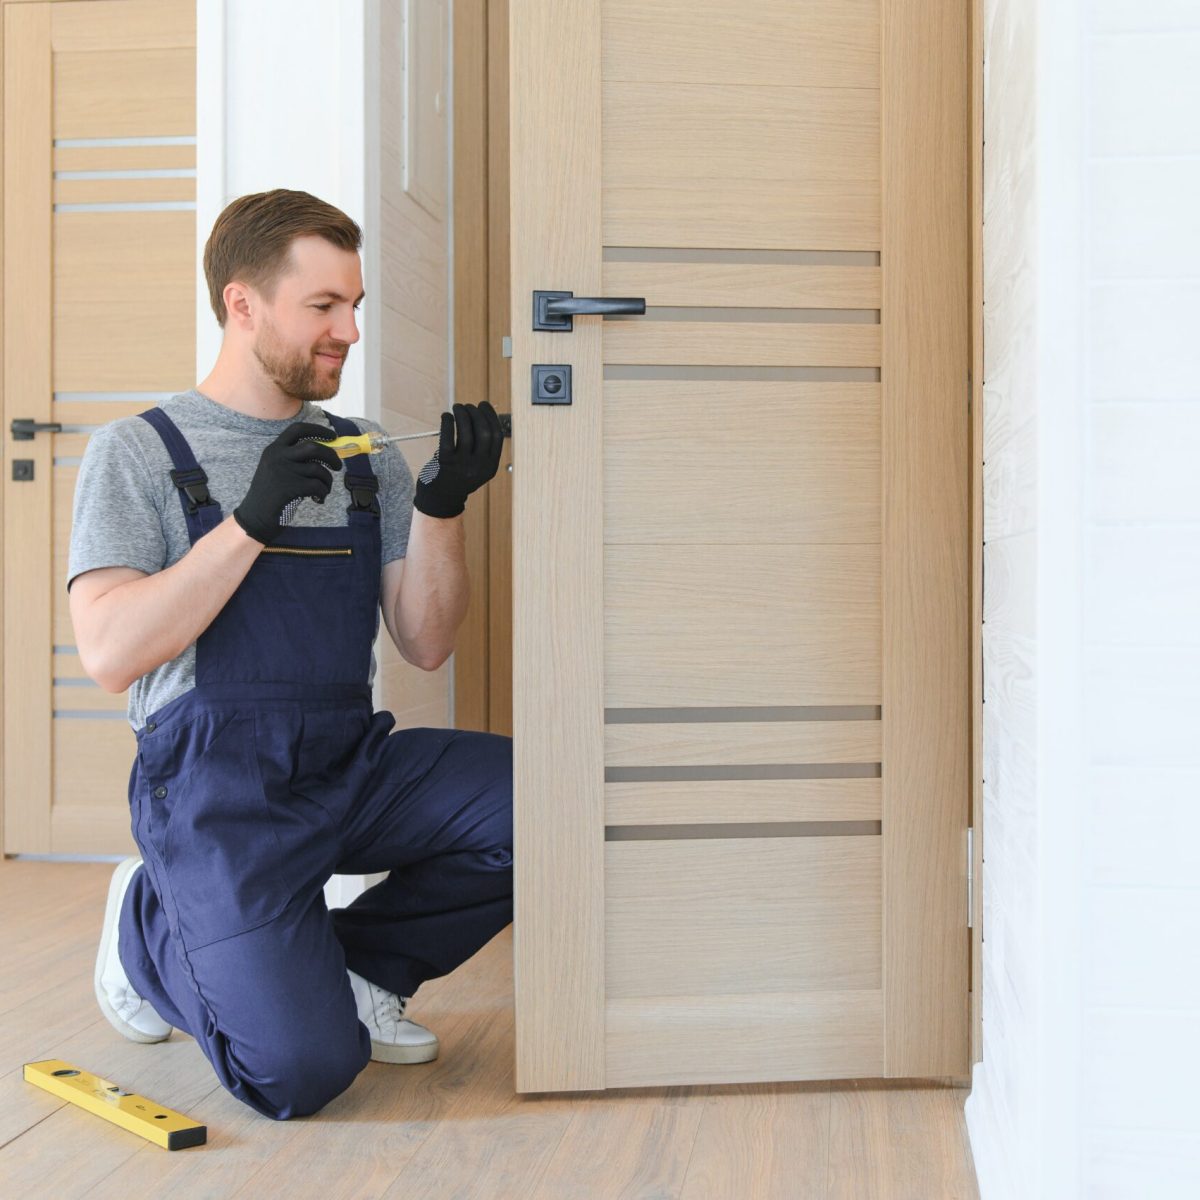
304, 550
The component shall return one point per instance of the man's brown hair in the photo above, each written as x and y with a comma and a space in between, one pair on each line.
252, 240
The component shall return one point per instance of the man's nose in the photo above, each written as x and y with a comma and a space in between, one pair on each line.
346, 331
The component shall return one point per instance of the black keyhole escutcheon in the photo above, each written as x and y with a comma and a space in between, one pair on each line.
551, 384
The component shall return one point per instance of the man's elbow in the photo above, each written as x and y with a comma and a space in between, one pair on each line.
103, 672
423, 659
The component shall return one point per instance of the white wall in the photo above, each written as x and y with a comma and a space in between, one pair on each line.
1140, 1116
1091, 1003
1003, 1109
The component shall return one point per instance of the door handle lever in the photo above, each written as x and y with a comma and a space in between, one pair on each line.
554, 312
23, 428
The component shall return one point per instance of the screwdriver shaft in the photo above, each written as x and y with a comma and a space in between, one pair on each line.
407, 437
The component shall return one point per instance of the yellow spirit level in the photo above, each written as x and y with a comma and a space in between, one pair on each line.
163, 1126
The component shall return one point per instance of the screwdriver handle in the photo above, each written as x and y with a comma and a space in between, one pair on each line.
362, 443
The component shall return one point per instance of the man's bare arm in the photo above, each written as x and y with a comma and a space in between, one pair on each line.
425, 595
127, 622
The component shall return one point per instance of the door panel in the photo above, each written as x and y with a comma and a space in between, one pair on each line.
758, 800
826, 43
713, 283
117, 329
109, 92
740, 552
655, 1041
99, 324
721, 165
677, 914
814, 451
735, 343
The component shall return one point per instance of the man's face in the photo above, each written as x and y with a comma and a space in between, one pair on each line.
305, 334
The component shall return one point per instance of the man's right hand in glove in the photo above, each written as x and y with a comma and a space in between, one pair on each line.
286, 472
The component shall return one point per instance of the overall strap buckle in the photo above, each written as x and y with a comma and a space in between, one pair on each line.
193, 482
363, 491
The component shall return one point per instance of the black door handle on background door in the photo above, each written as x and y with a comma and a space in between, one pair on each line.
553, 312
23, 428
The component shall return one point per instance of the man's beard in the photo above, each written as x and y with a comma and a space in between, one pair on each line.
294, 372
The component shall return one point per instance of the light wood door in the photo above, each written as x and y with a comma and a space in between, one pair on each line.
99, 323
740, 556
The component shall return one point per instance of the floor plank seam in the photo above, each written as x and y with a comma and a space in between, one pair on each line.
683, 1181
535, 1184
23, 1132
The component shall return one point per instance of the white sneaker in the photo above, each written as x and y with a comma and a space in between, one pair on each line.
393, 1039
127, 1012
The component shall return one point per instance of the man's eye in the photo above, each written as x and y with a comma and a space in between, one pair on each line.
322, 307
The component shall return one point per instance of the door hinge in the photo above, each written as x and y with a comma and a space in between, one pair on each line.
970, 877
982, 623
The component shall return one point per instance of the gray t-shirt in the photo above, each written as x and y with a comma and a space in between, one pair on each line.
127, 511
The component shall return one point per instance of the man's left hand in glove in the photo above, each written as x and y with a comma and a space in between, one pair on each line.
458, 469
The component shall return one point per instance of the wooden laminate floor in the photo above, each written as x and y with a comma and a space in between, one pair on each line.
445, 1130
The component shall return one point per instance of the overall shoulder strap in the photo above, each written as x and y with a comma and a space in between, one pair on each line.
200, 510
360, 479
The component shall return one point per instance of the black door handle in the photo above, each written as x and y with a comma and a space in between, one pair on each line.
554, 311
23, 428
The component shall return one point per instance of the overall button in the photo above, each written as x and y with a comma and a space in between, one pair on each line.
151, 727
160, 793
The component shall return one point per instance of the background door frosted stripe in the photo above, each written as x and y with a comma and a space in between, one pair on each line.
148, 173
743, 829
111, 396
109, 858
145, 206
85, 714
126, 141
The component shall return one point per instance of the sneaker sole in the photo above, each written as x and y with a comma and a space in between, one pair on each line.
116, 887
386, 1053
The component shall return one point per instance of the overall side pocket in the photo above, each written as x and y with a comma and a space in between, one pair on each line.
218, 844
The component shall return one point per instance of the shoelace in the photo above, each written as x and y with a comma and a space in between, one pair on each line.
388, 1004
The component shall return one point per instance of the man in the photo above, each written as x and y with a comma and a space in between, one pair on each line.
230, 572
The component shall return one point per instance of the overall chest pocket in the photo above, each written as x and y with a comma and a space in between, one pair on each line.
312, 554
212, 828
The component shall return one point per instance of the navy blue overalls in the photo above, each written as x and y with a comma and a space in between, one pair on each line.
272, 774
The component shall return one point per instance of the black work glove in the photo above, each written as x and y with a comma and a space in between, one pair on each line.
454, 472
291, 468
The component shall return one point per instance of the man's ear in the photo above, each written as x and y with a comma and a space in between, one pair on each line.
241, 305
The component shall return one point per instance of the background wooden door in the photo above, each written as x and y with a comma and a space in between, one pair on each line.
740, 556
99, 323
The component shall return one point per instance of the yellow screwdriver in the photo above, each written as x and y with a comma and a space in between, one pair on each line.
373, 443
